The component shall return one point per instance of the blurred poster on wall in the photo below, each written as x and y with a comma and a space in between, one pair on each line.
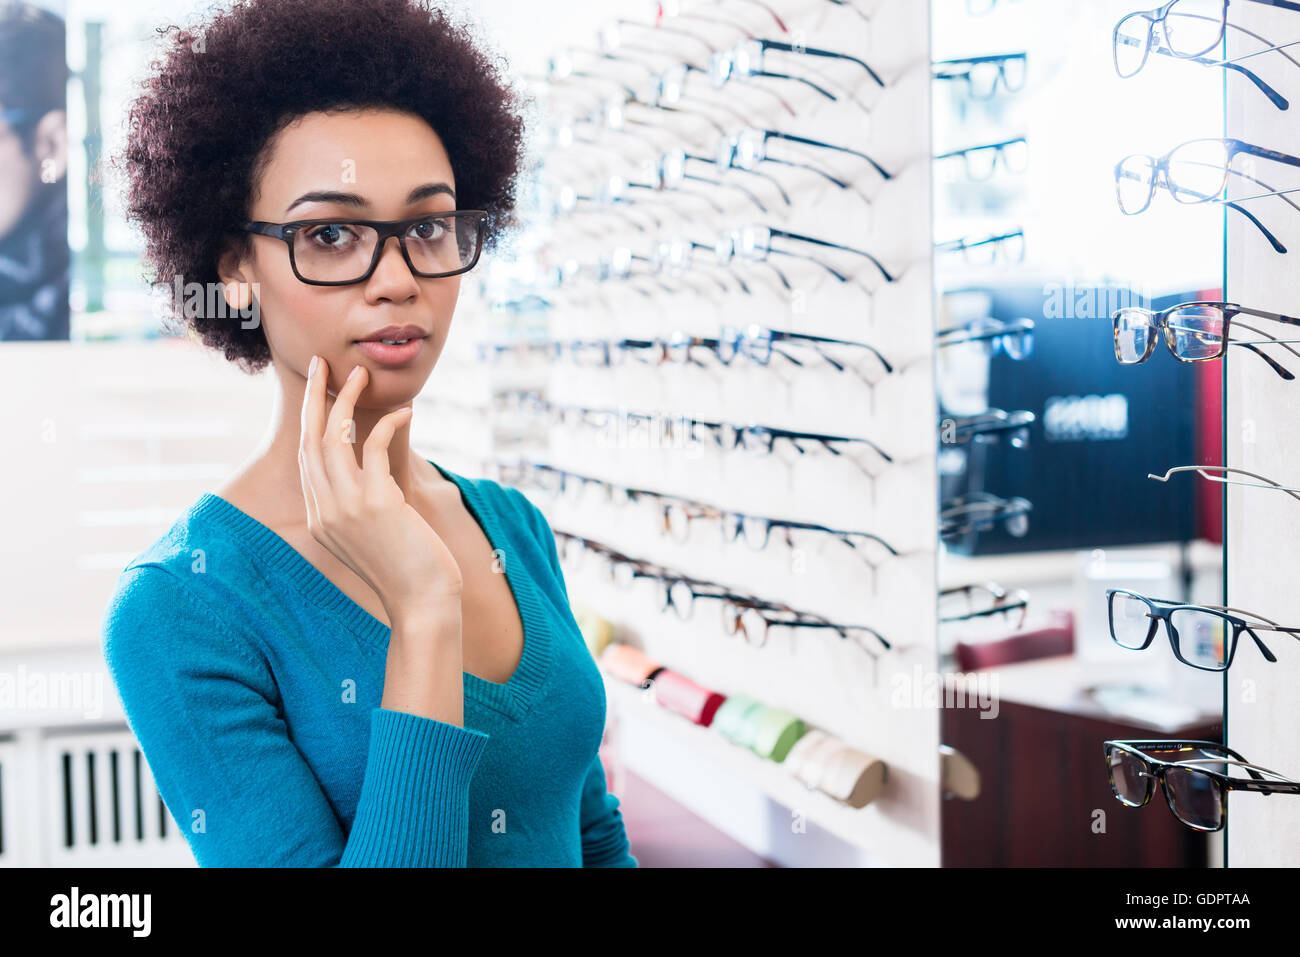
34, 257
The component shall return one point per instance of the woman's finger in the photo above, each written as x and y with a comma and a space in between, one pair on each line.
339, 439
376, 475
316, 484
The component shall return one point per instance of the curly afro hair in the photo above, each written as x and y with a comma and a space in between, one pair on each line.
197, 130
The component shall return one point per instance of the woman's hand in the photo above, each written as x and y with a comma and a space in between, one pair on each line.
360, 514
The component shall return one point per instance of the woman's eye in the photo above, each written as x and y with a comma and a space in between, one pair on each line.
331, 234
429, 230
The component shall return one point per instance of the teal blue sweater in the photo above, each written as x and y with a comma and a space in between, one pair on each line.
253, 684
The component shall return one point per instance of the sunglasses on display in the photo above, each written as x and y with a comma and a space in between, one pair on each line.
1201, 636
1194, 332
1193, 775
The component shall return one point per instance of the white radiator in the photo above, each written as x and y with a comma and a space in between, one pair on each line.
83, 798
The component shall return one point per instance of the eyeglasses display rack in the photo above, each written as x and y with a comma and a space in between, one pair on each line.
729, 310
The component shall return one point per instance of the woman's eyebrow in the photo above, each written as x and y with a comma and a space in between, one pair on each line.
354, 199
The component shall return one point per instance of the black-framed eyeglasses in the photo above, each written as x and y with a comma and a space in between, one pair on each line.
763, 438
1201, 636
1193, 332
748, 148
981, 511
981, 600
1134, 40
1005, 247
992, 425
339, 252
983, 75
1196, 171
746, 59
752, 618
981, 162
756, 343
755, 242
1193, 775
1014, 337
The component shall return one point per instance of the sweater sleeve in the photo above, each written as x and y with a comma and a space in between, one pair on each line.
204, 707
604, 839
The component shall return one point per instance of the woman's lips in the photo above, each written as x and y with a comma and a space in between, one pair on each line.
390, 355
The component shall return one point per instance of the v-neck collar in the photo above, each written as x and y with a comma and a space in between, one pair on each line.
513, 698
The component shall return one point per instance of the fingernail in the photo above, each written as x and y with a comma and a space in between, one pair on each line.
353, 374
311, 369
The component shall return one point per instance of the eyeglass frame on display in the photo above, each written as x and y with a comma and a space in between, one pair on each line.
1007, 510
999, 152
1003, 602
1276, 98
1158, 167
1160, 319
1161, 610
1222, 782
1000, 59
999, 421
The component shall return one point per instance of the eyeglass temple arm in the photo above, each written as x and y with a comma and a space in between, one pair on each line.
1283, 4
813, 51
1277, 367
1276, 98
811, 167
1274, 340
1268, 315
1272, 240
827, 266
798, 79
829, 146
1286, 785
830, 245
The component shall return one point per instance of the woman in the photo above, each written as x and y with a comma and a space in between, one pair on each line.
348, 655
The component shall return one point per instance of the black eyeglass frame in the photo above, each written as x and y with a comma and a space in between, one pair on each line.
1160, 610
384, 228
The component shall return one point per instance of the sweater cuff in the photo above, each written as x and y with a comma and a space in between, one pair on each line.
414, 804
